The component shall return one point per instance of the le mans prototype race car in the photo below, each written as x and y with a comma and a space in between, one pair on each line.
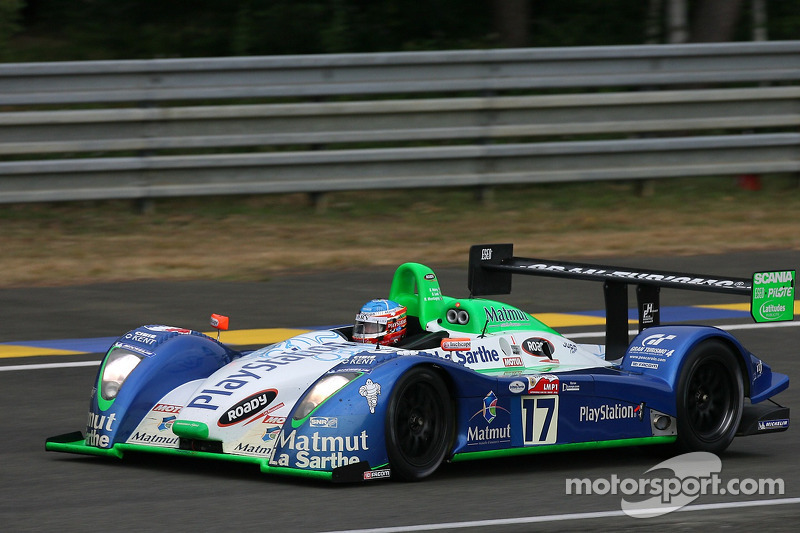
474, 378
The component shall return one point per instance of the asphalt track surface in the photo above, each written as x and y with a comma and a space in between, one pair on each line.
42, 491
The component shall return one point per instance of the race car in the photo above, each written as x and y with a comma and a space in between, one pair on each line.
472, 378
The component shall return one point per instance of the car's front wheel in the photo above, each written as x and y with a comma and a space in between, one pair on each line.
710, 398
419, 424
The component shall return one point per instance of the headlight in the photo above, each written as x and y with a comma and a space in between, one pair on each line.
119, 364
321, 391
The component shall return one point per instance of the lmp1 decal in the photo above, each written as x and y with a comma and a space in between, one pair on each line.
539, 419
543, 384
247, 408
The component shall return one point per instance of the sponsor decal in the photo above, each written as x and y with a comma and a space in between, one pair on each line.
634, 275
456, 344
517, 387
271, 433
538, 347
370, 390
323, 422
570, 387
141, 437
774, 277
134, 348
571, 346
383, 473
489, 408
274, 419
512, 361
766, 425
358, 369
652, 346
487, 434
142, 337
608, 412
166, 423
430, 276
166, 408
96, 426
319, 452
266, 418
759, 369
247, 408
505, 314
773, 296
288, 353
649, 312
644, 364
169, 329
361, 360
543, 384
481, 355
655, 340
251, 449
772, 311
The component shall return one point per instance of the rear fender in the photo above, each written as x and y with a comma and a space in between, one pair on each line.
660, 351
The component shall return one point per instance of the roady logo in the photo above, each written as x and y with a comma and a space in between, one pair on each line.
248, 407
538, 347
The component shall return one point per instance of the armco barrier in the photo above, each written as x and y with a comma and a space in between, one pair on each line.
144, 129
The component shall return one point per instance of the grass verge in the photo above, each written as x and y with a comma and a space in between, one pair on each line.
254, 238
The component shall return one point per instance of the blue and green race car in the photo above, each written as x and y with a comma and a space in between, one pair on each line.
473, 378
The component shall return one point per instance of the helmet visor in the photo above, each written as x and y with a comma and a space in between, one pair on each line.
369, 325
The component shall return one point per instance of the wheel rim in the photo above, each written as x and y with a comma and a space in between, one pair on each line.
711, 400
418, 423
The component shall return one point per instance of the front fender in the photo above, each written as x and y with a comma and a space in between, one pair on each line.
349, 427
169, 357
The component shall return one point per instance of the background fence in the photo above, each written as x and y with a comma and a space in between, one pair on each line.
145, 129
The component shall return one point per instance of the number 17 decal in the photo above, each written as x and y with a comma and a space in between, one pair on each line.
540, 419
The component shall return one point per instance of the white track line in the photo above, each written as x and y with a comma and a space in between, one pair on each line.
42, 366
565, 517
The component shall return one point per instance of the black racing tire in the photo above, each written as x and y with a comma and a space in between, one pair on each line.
420, 424
710, 398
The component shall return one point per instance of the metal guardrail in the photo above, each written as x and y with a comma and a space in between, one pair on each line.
487, 135
495, 118
316, 171
408, 72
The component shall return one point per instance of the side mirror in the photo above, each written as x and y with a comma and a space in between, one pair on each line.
220, 323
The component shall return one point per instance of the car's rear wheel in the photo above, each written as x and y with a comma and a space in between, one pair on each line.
710, 398
419, 424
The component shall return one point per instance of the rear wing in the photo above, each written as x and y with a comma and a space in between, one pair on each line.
491, 267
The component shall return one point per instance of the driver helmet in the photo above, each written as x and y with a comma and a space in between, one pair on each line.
380, 321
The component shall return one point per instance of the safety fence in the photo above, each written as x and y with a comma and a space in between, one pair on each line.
245, 125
